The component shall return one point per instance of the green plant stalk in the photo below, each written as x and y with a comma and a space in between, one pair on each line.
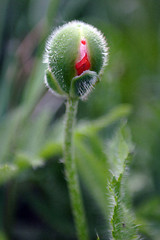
71, 172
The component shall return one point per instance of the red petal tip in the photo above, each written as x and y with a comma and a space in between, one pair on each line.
83, 64
83, 42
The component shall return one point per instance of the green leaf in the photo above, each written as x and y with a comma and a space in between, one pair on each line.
93, 171
8, 133
34, 134
51, 149
7, 171
3, 236
114, 115
34, 87
117, 151
23, 161
122, 223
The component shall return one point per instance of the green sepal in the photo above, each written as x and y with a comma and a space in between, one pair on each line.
63, 52
82, 85
52, 84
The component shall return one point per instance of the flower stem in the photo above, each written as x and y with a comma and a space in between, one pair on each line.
71, 172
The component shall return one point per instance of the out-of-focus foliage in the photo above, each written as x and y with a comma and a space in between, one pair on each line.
34, 200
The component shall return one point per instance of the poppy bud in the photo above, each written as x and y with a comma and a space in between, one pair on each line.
76, 54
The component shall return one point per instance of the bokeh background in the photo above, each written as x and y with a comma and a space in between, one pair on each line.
34, 203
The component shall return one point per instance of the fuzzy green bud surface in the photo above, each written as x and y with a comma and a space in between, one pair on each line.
75, 54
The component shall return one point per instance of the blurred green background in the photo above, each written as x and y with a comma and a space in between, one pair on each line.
34, 203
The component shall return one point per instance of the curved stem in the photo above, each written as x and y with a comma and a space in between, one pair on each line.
71, 172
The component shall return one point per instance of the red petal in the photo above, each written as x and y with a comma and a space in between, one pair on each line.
83, 42
83, 64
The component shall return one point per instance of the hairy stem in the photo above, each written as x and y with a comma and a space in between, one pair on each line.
71, 172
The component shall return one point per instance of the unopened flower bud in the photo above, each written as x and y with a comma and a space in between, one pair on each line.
76, 54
